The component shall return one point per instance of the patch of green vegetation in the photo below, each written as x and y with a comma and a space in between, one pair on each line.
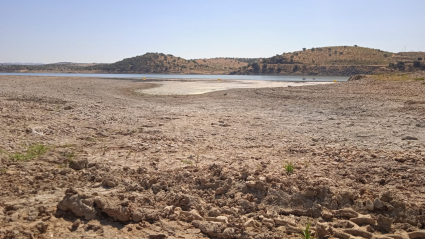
289, 167
306, 233
419, 78
33, 151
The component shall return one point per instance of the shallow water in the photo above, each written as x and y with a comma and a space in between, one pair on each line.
209, 77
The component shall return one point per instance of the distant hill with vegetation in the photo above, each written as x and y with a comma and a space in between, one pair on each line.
162, 63
333, 60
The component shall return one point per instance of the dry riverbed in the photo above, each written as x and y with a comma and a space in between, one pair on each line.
94, 158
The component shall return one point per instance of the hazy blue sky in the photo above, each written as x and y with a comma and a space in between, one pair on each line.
108, 31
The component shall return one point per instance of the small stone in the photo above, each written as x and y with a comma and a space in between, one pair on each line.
409, 138
369, 205
250, 178
250, 223
214, 212
15, 217
250, 184
76, 223
378, 203
384, 223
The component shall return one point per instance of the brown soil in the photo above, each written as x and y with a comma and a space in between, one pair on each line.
123, 165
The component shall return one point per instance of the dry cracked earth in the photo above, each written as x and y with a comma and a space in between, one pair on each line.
90, 158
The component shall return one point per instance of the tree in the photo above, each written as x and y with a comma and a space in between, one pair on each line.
312, 49
400, 66
295, 68
355, 45
270, 69
278, 70
255, 67
304, 48
264, 68
416, 64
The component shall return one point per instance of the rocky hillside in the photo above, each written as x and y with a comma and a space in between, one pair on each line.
335, 60
162, 63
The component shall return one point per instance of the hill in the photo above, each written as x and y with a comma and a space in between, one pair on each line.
334, 60
162, 63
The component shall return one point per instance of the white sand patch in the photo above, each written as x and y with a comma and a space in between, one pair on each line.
172, 87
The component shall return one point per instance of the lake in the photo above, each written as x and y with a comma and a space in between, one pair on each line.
289, 78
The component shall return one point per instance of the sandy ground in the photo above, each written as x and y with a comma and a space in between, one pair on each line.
193, 87
125, 164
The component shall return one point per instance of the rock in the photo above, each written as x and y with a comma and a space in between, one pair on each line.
222, 219
79, 164
212, 229
347, 212
369, 205
42, 227
76, 223
384, 223
79, 204
229, 232
137, 216
284, 222
110, 181
417, 234
249, 223
168, 210
409, 138
214, 212
196, 215
358, 232
356, 77
222, 190
247, 205
326, 214
268, 222
322, 230
363, 219
113, 208
157, 236
378, 203
250, 178
250, 184
15, 217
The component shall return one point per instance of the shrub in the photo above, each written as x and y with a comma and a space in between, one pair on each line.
306, 233
295, 68
33, 151
304, 48
419, 58
289, 167
416, 64
400, 66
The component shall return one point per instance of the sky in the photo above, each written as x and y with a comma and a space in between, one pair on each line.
103, 31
